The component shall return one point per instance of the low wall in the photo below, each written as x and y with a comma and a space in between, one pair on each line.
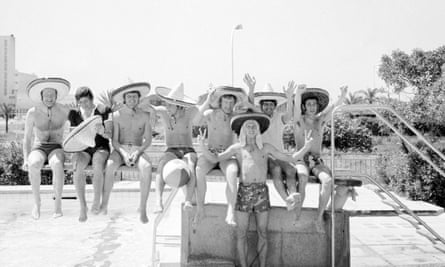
214, 242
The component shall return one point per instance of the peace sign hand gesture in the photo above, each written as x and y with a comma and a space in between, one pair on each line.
201, 137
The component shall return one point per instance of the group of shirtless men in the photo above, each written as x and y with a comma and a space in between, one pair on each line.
244, 139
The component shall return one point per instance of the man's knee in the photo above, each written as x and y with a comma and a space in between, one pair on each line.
232, 170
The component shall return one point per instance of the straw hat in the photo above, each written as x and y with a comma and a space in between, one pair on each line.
321, 95
83, 136
176, 173
239, 93
238, 120
118, 94
176, 96
269, 94
35, 88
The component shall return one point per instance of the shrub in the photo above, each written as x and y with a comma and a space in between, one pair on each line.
11, 161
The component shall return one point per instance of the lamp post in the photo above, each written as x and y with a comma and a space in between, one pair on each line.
237, 27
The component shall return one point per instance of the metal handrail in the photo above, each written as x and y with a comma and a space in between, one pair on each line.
373, 107
403, 206
158, 219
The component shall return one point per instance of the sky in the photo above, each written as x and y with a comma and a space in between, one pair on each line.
108, 44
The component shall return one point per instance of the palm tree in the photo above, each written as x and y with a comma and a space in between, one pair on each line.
105, 98
353, 98
7, 112
370, 95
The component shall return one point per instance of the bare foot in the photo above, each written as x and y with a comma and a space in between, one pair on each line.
199, 216
83, 214
103, 210
35, 214
95, 209
159, 209
292, 201
143, 216
188, 207
57, 214
230, 218
319, 226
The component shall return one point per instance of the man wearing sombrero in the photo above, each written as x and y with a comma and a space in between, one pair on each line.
131, 137
310, 115
253, 195
46, 120
177, 117
269, 100
216, 112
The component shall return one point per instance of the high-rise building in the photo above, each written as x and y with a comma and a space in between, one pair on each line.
7, 69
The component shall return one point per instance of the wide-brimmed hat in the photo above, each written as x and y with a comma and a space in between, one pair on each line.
269, 94
175, 96
35, 88
239, 93
83, 135
118, 94
238, 120
321, 95
176, 173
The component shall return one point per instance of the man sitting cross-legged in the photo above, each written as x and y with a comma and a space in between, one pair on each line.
253, 194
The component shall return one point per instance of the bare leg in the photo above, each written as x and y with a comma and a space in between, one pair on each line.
81, 160
56, 160
113, 164
242, 219
191, 159
144, 167
36, 160
160, 184
340, 197
230, 169
303, 176
262, 220
99, 160
325, 194
203, 167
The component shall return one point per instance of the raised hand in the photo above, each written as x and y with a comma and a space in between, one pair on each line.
250, 81
289, 91
344, 90
201, 137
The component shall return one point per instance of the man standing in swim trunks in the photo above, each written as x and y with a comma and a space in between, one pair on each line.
177, 117
216, 112
97, 155
253, 194
311, 114
46, 121
280, 171
131, 137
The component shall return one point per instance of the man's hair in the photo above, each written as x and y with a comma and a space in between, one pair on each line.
268, 100
83, 91
227, 96
41, 92
131, 92
303, 105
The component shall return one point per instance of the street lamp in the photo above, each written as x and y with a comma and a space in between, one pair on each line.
237, 27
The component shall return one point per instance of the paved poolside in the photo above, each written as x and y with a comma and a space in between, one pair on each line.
119, 239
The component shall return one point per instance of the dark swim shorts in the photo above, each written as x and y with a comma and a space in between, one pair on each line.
180, 152
252, 197
46, 148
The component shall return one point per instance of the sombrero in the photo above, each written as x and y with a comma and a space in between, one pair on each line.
238, 120
175, 97
35, 88
269, 94
82, 136
118, 94
176, 173
321, 95
220, 91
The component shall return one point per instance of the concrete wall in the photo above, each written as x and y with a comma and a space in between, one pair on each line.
214, 243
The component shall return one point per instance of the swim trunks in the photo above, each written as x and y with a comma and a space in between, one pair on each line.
46, 148
180, 152
252, 197
130, 149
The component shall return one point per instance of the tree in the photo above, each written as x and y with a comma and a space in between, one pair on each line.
371, 95
7, 112
353, 98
